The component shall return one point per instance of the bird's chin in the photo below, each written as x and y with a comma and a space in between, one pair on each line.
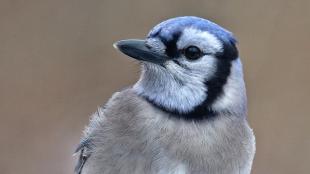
152, 66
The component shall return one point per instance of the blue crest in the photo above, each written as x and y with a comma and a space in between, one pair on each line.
171, 27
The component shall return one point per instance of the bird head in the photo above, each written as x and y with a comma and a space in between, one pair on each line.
190, 68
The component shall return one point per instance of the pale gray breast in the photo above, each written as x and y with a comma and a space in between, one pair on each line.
131, 136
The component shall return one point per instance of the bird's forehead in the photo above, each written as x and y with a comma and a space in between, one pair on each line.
171, 28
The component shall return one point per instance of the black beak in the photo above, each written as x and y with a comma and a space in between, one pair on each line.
138, 50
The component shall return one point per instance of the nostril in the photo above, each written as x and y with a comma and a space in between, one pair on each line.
148, 46
155, 45
148, 43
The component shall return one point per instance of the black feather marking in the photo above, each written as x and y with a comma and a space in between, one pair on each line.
171, 44
82, 148
82, 160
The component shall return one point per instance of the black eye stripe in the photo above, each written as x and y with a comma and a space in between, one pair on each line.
171, 45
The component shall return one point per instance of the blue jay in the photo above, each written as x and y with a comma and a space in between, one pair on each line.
185, 115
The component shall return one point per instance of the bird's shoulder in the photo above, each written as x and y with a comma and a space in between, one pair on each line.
122, 105
113, 117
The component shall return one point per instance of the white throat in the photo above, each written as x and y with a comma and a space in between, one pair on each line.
165, 89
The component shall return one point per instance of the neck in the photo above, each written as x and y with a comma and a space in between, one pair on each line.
233, 100
188, 99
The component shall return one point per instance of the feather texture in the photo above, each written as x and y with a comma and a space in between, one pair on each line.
132, 136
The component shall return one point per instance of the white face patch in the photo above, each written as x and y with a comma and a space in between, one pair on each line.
178, 87
175, 91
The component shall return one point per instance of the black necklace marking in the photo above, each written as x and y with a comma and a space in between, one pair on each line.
198, 114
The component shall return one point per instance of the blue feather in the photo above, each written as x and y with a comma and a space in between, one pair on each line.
168, 28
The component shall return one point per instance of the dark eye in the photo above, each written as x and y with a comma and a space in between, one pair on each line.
192, 53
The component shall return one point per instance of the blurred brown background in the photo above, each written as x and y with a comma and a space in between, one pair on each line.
57, 64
